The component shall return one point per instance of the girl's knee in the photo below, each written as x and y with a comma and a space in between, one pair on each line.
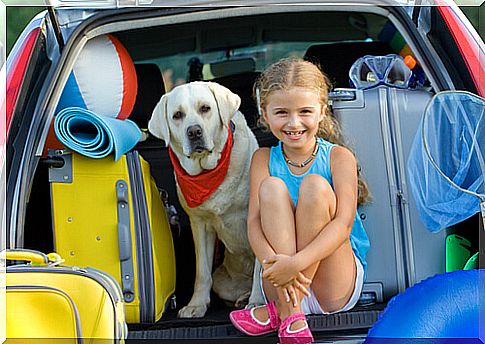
315, 188
272, 188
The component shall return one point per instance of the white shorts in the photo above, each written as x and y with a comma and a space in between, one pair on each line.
310, 305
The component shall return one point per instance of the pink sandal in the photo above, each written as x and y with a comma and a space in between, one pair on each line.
245, 321
300, 336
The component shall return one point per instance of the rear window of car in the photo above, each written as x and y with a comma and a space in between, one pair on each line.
175, 68
180, 48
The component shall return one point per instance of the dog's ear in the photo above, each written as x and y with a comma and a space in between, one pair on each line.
158, 124
227, 102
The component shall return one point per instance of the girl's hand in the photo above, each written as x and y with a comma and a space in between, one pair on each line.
265, 266
290, 294
282, 269
301, 283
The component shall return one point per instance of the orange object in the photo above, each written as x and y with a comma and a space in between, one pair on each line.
410, 61
52, 142
130, 81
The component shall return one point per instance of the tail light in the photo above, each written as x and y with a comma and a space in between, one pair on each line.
16, 68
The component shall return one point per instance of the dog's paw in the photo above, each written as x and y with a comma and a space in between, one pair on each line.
242, 300
192, 311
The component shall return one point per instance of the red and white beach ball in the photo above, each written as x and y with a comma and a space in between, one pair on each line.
103, 79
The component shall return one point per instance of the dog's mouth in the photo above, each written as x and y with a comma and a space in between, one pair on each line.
201, 149
197, 150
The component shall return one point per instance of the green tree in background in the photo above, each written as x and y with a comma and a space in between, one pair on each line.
17, 18
476, 15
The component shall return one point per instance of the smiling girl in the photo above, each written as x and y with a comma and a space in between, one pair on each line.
302, 222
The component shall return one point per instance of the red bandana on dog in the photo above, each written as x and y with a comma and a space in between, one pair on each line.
196, 189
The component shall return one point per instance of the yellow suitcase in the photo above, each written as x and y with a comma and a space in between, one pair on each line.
47, 301
109, 215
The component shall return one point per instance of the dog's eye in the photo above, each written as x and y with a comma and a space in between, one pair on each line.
178, 115
204, 108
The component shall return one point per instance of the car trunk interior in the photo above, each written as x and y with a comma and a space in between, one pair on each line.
168, 55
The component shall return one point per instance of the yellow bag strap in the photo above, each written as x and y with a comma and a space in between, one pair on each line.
35, 257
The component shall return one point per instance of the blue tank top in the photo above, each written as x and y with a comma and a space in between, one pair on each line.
321, 165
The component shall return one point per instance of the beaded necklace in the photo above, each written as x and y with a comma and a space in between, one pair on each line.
303, 164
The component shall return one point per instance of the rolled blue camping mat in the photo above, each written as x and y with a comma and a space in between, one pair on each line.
95, 136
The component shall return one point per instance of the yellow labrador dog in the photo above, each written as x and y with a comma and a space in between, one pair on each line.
210, 146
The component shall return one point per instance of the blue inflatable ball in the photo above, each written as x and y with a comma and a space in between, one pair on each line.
448, 307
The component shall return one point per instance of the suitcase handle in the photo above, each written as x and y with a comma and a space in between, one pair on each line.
32, 256
124, 242
342, 94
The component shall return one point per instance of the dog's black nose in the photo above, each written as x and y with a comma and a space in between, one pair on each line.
194, 132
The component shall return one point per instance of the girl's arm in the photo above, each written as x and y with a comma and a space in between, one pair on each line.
259, 171
260, 245
343, 168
